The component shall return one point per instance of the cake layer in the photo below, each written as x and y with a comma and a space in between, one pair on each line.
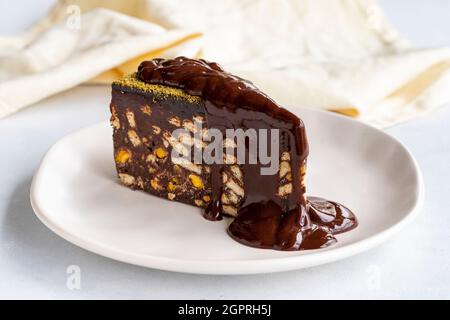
144, 117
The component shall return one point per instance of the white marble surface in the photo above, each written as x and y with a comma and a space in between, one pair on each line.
33, 260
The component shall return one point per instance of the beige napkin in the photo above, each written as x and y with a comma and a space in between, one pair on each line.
340, 55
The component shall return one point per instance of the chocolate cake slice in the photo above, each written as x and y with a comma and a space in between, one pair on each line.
163, 116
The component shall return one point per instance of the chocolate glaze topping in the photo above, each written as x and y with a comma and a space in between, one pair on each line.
265, 219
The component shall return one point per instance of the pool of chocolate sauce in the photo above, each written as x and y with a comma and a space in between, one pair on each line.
265, 220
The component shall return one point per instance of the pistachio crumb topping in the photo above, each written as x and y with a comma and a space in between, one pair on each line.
163, 92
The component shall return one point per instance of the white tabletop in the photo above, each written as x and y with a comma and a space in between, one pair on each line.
34, 261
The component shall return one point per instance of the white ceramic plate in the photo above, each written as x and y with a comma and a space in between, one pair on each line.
76, 194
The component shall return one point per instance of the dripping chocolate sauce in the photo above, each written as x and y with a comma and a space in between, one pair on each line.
264, 220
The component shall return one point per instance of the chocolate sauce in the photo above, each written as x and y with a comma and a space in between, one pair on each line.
312, 227
265, 219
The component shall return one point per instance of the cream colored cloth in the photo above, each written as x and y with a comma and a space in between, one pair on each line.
339, 55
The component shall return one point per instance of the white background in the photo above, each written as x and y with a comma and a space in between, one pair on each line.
33, 260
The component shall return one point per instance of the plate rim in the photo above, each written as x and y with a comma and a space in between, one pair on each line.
232, 267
